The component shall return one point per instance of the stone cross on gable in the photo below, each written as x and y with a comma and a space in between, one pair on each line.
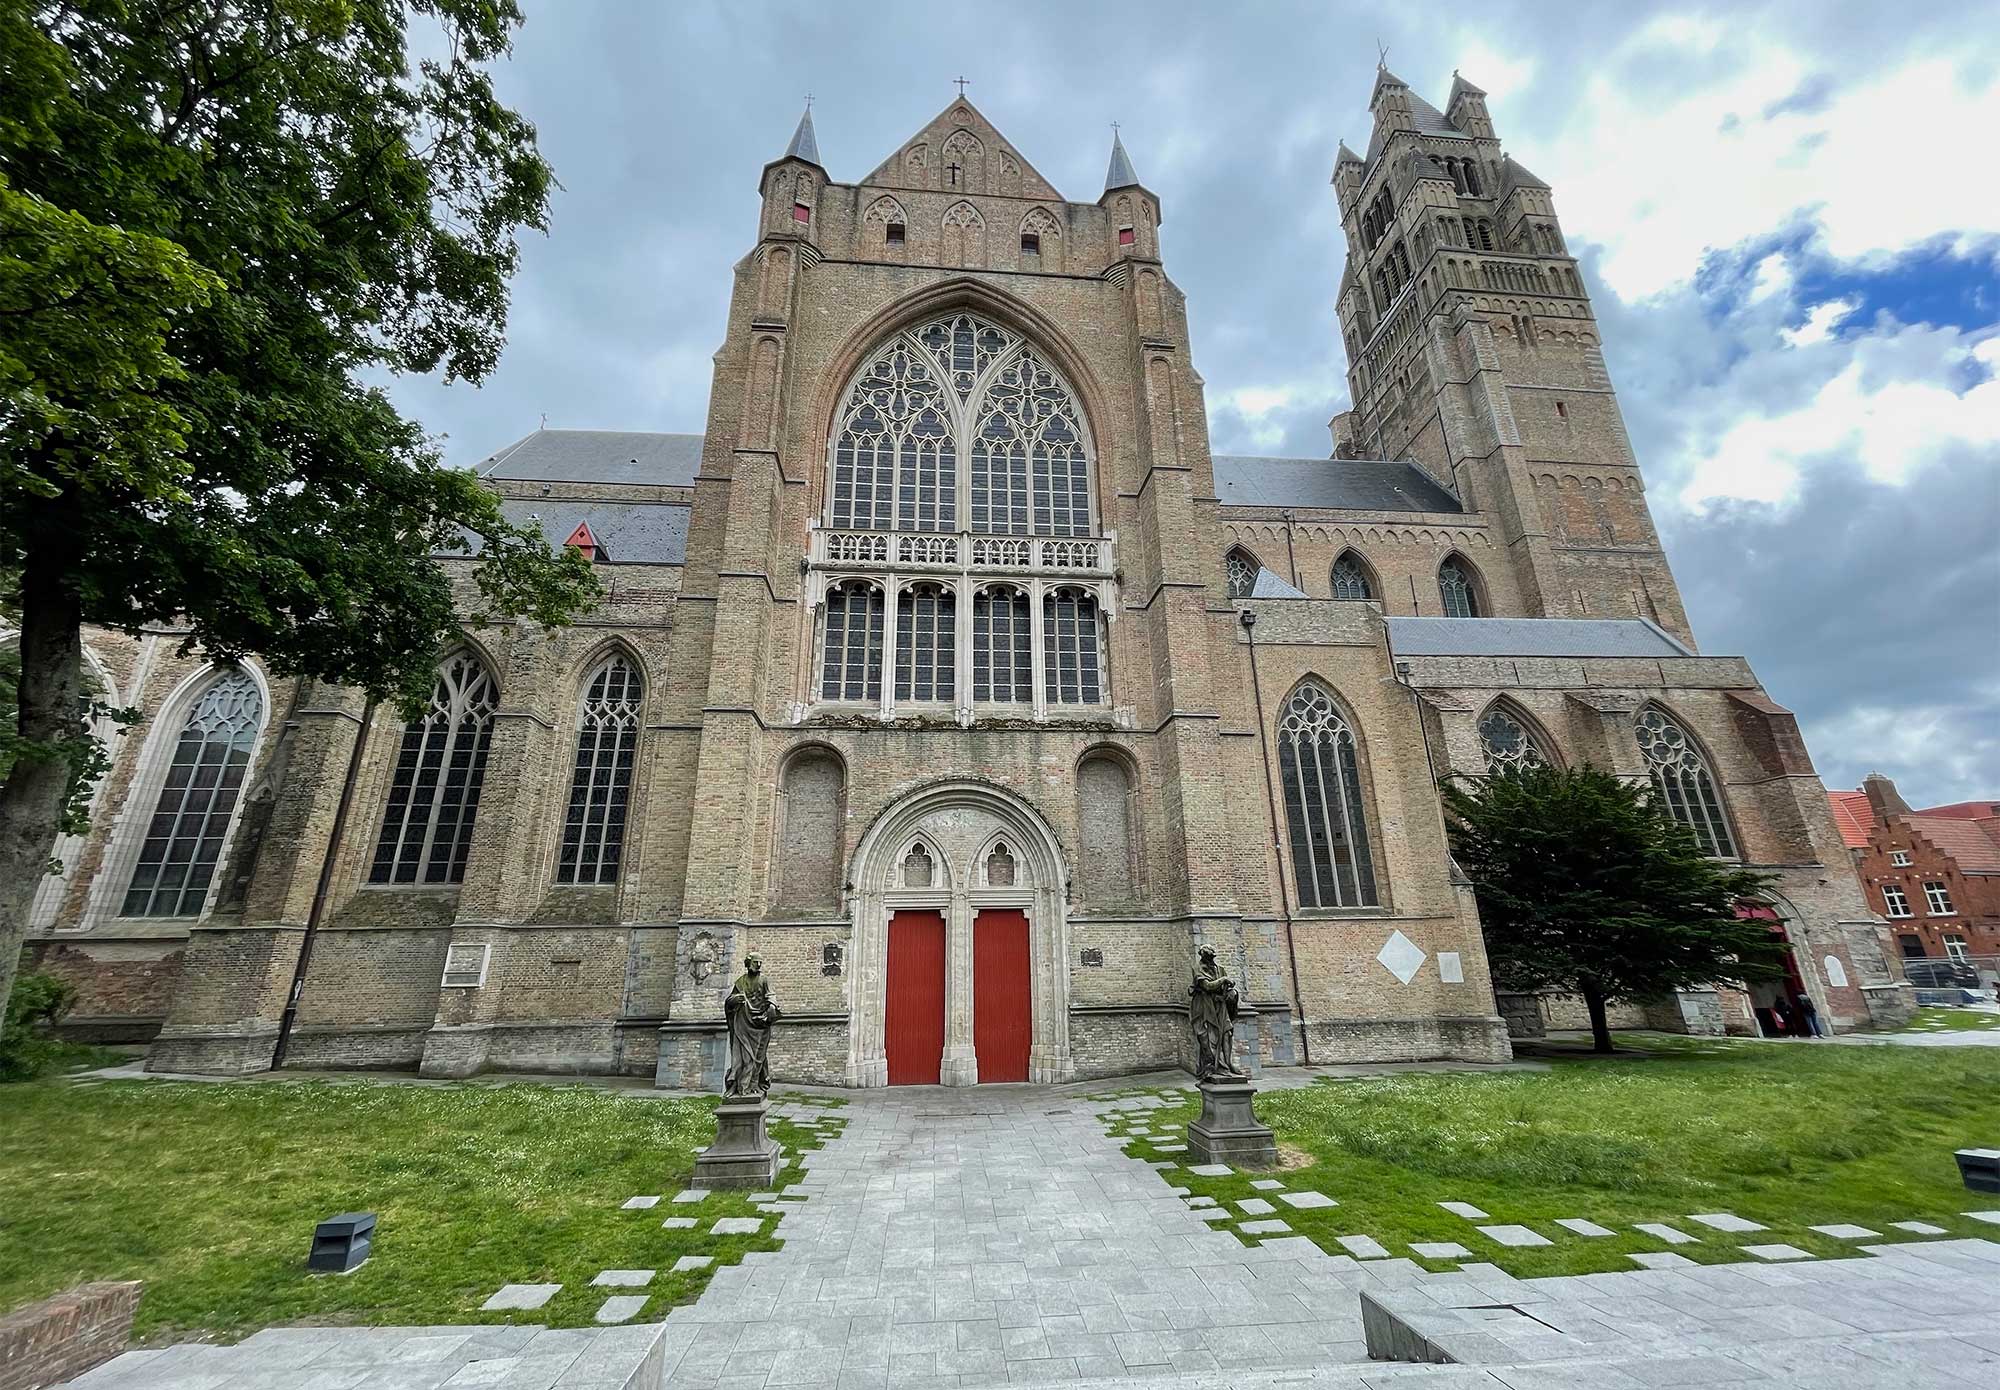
953, 169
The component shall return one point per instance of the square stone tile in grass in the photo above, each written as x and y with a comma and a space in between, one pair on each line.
476, 1187
1633, 1146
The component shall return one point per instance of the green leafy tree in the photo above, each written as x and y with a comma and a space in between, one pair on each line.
1588, 886
214, 216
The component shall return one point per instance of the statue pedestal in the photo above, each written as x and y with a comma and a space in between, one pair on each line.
1228, 1130
743, 1155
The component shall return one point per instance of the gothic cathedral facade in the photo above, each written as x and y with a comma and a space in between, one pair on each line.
952, 672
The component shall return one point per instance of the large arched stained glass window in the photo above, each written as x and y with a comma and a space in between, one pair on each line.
607, 743
1682, 777
851, 657
434, 793
959, 425
1508, 743
191, 818
1350, 580
1329, 828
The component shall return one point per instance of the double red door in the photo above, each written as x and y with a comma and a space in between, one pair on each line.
1000, 994
913, 1022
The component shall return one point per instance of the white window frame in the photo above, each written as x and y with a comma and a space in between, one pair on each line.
1895, 902
485, 949
1900, 858
1955, 947
1937, 899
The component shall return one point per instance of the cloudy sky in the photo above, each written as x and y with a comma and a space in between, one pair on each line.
1786, 216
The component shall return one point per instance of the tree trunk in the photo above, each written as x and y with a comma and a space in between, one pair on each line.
50, 709
1600, 1028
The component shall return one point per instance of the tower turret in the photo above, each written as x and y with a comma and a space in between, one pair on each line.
791, 185
1134, 209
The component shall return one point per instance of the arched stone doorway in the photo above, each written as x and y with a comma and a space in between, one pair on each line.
961, 943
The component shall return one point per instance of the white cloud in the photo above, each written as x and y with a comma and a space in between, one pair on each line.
1888, 407
1820, 321
1774, 277
1660, 179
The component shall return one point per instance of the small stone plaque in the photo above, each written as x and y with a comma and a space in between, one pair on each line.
678, 1223
621, 1308
1726, 1221
1209, 1170
640, 1203
1661, 1231
1514, 1236
1256, 1206
1777, 1252
1842, 1230
520, 1296
692, 1194
1465, 1209
1441, 1250
1093, 959
1266, 1184
1263, 1228
1921, 1228
1582, 1227
688, 1262
1363, 1247
1660, 1259
737, 1225
1451, 970
623, 1278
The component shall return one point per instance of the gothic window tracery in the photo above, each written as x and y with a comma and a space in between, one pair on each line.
1508, 743
1350, 580
1000, 866
1456, 590
919, 869
1331, 863
1681, 776
964, 237
434, 791
851, 655
607, 744
190, 821
960, 386
1240, 569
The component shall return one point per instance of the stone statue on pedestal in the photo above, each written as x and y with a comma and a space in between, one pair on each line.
751, 1011
744, 1154
1228, 1130
1213, 1003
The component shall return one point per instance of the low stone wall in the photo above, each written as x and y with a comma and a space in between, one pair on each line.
64, 1336
1482, 1039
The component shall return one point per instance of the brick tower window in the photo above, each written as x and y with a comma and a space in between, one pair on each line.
1331, 864
607, 743
434, 795
190, 821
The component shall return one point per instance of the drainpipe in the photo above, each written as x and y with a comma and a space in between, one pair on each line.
1249, 620
318, 909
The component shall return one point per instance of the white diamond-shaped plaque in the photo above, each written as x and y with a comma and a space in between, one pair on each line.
1401, 957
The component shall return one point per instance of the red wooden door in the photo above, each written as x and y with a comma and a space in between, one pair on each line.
913, 1025
1000, 994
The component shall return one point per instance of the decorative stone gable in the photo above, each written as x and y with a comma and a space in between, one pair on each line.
960, 152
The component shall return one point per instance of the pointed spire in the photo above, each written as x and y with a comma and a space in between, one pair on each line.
805, 144
1461, 88
1346, 156
1120, 174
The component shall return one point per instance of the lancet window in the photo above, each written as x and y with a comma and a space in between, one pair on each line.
184, 839
434, 791
1350, 580
1331, 864
600, 788
1456, 590
1681, 776
1002, 654
851, 657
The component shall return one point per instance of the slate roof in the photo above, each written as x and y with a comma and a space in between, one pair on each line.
1368, 485
1427, 120
639, 533
1120, 173
1618, 637
598, 456
805, 143
1513, 175
1853, 814
1270, 585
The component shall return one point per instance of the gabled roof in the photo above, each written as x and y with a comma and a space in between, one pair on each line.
1367, 485
961, 115
1964, 810
598, 456
1854, 816
635, 533
1970, 847
805, 143
1424, 118
1120, 173
1577, 637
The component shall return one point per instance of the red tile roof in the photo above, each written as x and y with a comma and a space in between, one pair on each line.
1853, 814
1967, 842
1964, 810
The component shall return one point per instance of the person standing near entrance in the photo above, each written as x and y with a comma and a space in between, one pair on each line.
1808, 1016
1781, 1017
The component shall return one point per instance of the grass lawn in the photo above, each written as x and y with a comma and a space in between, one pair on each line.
1967, 1020
209, 1193
1792, 1137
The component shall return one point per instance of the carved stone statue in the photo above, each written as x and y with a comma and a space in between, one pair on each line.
751, 1011
1212, 1007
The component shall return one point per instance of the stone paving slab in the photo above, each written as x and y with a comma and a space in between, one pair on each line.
1726, 1221
521, 1296
1307, 1201
1842, 1230
1466, 1210
1514, 1235
1669, 1234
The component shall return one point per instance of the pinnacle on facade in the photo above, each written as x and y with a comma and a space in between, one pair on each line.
1121, 173
1460, 87
1346, 156
805, 144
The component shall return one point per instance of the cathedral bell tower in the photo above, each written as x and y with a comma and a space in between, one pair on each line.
1473, 351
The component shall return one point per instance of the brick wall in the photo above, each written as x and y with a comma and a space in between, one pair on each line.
60, 1338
